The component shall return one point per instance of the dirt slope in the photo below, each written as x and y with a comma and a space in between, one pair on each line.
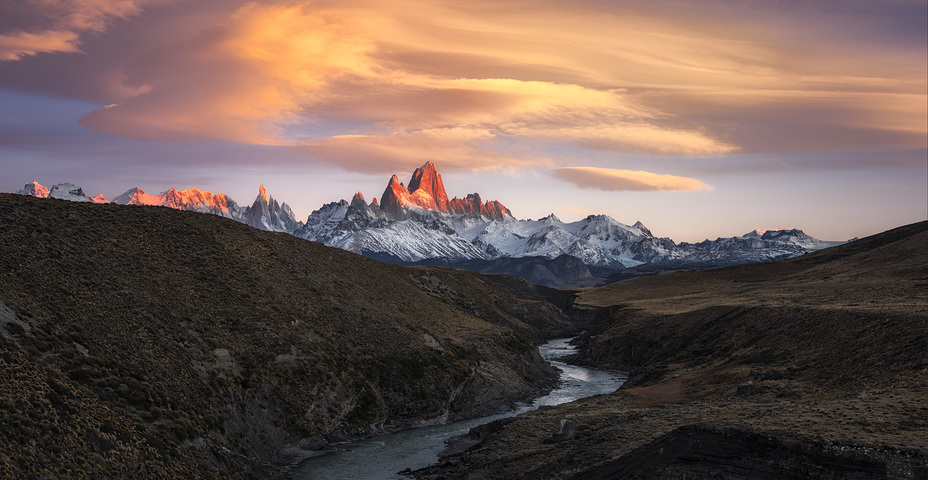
152, 343
814, 367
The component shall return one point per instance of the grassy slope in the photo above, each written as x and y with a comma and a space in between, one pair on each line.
835, 345
171, 344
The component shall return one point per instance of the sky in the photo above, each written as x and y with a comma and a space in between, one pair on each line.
699, 119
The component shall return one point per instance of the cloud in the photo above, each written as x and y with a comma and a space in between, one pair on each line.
55, 26
362, 84
609, 179
20, 44
452, 148
272, 66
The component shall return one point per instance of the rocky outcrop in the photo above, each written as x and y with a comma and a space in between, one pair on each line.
427, 191
472, 204
266, 214
34, 189
428, 181
395, 198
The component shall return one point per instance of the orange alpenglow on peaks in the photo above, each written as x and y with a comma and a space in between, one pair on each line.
426, 190
190, 199
428, 181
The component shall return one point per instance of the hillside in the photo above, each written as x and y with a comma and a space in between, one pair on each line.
813, 367
147, 342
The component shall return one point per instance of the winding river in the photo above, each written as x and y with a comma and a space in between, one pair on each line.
383, 456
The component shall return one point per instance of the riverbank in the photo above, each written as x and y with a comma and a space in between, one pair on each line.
184, 345
815, 367
383, 457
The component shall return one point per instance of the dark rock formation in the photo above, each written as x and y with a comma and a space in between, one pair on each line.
394, 198
266, 214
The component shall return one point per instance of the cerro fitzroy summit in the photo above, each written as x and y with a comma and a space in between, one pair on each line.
419, 222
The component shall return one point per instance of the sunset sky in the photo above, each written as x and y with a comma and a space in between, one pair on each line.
700, 119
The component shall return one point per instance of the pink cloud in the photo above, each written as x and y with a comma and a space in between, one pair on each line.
453, 148
610, 179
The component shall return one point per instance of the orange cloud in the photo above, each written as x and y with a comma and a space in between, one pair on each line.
430, 79
453, 148
20, 44
270, 67
626, 180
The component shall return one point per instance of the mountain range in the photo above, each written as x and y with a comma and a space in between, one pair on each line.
418, 223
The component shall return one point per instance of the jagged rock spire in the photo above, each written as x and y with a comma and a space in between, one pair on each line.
394, 198
426, 190
427, 179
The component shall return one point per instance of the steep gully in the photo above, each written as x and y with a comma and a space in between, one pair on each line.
383, 457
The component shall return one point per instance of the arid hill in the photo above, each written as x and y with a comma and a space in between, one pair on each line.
145, 342
814, 367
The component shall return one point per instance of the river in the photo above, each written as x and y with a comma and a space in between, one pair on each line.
381, 457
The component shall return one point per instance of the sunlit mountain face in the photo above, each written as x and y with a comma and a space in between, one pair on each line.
419, 223
427, 191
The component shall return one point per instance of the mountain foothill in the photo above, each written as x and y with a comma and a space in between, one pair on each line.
152, 342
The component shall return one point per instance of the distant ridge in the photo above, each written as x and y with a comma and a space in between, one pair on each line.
419, 223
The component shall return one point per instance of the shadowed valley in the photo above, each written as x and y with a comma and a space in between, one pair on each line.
145, 342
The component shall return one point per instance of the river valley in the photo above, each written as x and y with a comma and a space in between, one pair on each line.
382, 457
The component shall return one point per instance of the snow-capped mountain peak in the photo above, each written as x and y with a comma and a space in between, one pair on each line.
135, 196
421, 223
759, 232
61, 191
267, 214
67, 191
643, 230
34, 189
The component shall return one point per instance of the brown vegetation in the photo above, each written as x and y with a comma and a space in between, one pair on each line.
814, 367
152, 343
